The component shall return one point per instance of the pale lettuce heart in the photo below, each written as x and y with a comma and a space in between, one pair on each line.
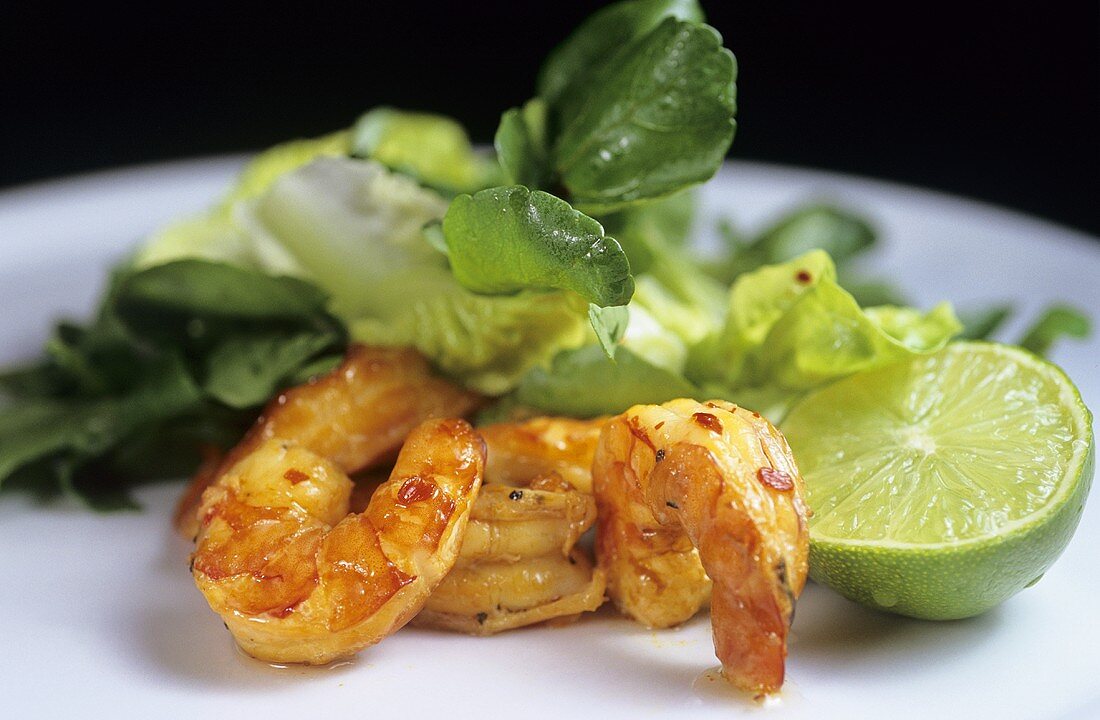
215, 235
356, 229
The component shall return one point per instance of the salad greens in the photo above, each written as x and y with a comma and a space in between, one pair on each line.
505, 239
1056, 322
657, 117
433, 149
555, 274
177, 358
593, 43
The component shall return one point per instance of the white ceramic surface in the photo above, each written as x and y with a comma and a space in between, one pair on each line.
99, 618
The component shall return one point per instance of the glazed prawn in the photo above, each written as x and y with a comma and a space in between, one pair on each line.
721, 479
518, 564
522, 451
297, 579
355, 416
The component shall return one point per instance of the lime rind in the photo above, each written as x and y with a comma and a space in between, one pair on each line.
943, 568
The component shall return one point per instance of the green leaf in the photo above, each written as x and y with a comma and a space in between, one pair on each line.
842, 234
267, 167
34, 430
670, 287
433, 234
358, 231
791, 326
221, 234
246, 369
610, 324
917, 331
206, 288
656, 118
433, 149
602, 35
1055, 323
171, 349
871, 292
523, 146
649, 232
315, 369
507, 239
352, 225
980, 324
486, 342
33, 380
582, 383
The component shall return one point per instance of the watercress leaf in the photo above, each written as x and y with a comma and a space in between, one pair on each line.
27, 381
246, 368
650, 231
981, 323
838, 232
507, 239
609, 324
522, 145
1056, 322
82, 429
582, 383
199, 287
656, 118
603, 34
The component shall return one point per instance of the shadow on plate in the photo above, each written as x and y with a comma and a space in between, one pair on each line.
174, 629
833, 632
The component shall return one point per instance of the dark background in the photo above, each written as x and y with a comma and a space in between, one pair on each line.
992, 100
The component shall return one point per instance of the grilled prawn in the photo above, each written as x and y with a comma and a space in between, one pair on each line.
522, 451
519, 564
717, 480
298, 579
355, 416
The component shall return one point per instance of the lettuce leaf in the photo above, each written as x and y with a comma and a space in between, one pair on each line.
486, 342
356, 230
216, 235
267, 167
351, 226
791, 327
433, 149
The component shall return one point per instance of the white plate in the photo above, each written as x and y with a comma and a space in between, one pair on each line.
98, 615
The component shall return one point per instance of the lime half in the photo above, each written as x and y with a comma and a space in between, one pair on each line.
944, 485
